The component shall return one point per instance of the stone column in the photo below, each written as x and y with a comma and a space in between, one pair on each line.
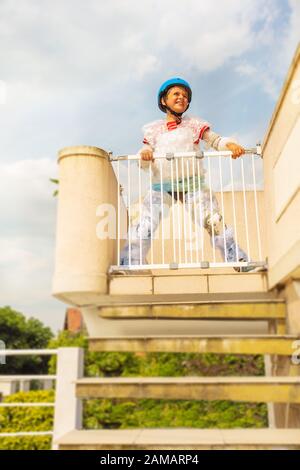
86, 182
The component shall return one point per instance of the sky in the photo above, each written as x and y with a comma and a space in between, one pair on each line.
87, 73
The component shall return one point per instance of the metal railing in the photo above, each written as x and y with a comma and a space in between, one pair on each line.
67, 408
20, 378
202, 174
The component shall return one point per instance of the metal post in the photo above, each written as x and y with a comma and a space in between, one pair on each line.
178, 213
245, 210
184, 215
234, 213
223, 210
211, 213
256, 210
201, 210
162, 213
140, 211
129, 209
119, 206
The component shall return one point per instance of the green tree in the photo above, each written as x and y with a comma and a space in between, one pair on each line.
17, 332
133, 413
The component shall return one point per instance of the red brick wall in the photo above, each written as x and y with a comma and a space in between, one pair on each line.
73, 320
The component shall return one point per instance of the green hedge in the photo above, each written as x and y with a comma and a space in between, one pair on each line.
117, 414
127, 364
120, 414
22, 419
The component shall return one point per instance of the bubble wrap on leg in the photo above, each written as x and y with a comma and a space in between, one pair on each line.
212, 221
140, 232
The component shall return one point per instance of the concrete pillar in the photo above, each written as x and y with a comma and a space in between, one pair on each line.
68, 409
292, 296
288, 415
86, 181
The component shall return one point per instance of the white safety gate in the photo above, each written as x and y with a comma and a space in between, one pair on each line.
180, 234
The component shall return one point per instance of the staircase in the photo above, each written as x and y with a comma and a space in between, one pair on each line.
210, 309
218, 308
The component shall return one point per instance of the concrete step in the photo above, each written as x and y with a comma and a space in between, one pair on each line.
211, 306
188, 281
248, 389
138, 298
181, 439
170, 284
219, 344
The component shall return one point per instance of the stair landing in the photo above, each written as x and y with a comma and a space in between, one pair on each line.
181, 439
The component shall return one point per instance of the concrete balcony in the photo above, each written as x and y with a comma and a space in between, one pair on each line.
83, 258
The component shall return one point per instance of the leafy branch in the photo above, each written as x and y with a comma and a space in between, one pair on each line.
55, 181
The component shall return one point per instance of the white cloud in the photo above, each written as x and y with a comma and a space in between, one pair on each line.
26, 269
281, 41
293, 31
262, 77
101, 42
81, 73
22, 260
26, 202
27, 234
208, 34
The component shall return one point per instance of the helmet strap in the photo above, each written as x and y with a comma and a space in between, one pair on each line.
178, 116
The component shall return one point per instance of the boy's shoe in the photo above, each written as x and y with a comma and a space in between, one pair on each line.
124, 269
131, 272
247, 269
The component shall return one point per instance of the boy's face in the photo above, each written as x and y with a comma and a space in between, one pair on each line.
176, 99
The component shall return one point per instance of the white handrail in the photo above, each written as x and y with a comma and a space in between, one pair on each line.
225, 153
6, 378
28, 352
26, 433
25, 405
23, 378
67, 408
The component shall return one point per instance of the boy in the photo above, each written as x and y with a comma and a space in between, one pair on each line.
180, 134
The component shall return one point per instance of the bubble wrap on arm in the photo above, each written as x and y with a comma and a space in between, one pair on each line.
215, 141
150, 132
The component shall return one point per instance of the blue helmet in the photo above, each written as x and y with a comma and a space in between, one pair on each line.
169, 84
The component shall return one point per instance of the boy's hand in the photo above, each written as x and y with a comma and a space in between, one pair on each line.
147, 155
236, 149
